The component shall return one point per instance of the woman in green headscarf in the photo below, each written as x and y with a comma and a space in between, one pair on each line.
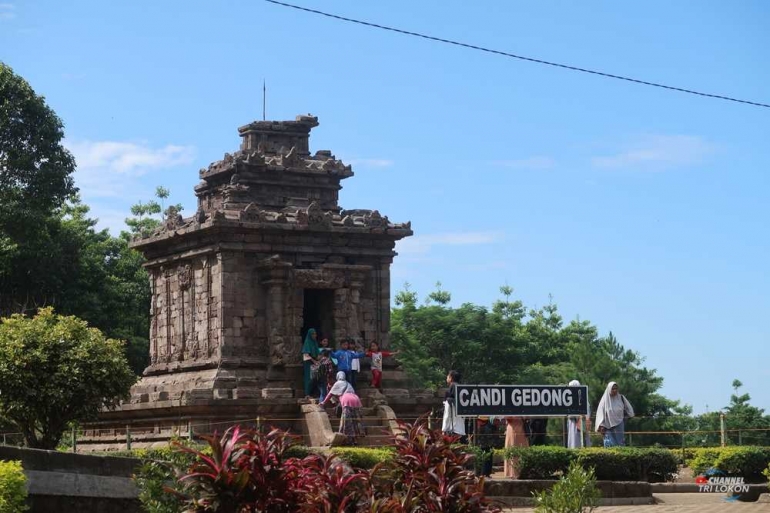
309, 357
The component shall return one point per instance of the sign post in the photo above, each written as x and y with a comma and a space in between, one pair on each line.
521, 401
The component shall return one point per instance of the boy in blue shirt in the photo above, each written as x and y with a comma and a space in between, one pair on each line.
345, 358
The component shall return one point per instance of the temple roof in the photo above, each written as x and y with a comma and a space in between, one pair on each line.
273, 182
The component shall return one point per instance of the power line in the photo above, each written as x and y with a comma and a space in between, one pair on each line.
520, 57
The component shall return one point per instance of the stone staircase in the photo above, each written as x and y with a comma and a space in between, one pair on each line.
381, 409
377, 428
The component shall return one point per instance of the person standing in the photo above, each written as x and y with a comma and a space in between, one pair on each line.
350, 420
611, 414
515, 436
376, 355
452, 424
345, 357
536, 430
325, 372
355, 364
309, 357
576, 429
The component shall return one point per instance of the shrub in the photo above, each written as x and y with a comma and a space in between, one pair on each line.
766, 473
617, 464
630, 464
363, 458
249, 471
540, 462
157, 475
245, 468
325, 485
428, 473
481, 456
74, 370
745, 461
572, 494
703, 459
13, 492
298, 451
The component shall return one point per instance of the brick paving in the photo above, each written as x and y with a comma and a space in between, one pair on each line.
681, 503
743, 507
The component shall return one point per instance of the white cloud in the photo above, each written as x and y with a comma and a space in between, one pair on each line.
532, 163
418, 245
127, 157
7, 11
111, 175
658, 152
108, 168
370, 162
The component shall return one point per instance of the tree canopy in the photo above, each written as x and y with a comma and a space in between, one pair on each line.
55, 370
509, 343
35, 169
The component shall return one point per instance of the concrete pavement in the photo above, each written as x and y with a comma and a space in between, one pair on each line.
683, 503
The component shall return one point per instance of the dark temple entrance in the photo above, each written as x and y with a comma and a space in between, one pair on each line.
318, 313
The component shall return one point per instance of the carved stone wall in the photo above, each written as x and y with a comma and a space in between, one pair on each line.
184, 310
229, 283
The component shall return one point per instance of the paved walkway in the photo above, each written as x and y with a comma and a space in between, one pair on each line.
681, 503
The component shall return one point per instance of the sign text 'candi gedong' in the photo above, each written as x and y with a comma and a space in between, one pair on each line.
521, 400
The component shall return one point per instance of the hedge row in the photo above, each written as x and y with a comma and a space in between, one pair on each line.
364, 457
542, 462
166, 453
547, 462
746, 461
617, 464
359, 457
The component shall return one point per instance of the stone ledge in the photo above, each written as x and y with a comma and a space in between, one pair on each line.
80, 485
54, 461
527, 502
525, 487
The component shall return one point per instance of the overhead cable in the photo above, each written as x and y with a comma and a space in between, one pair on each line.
520, 57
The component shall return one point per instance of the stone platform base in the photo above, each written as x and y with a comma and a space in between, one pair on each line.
518, 492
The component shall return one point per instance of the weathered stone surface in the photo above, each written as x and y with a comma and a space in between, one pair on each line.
274, 393
229, 285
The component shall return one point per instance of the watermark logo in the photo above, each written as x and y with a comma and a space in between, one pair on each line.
715, 481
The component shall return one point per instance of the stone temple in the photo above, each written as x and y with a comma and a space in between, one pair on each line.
268, 254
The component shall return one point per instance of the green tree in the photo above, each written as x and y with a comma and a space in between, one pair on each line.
35, 169
144, 221
55, 370
50, 251
746, 424
87, 273
35, 179
511, 344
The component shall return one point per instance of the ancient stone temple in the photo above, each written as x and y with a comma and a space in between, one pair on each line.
268, 254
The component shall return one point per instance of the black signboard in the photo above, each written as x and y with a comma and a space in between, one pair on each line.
520, 400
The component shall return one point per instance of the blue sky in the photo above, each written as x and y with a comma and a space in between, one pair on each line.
641, 210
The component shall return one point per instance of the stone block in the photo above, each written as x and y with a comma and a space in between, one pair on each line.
199, 395
221, 393
159, 396
247, 393
277, 393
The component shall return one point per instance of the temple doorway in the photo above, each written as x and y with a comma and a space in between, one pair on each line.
318, 313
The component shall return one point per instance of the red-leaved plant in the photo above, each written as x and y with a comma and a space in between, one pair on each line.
432, 475
328, 485
248, 472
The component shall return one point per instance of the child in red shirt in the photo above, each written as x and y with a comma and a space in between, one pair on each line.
376, 355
